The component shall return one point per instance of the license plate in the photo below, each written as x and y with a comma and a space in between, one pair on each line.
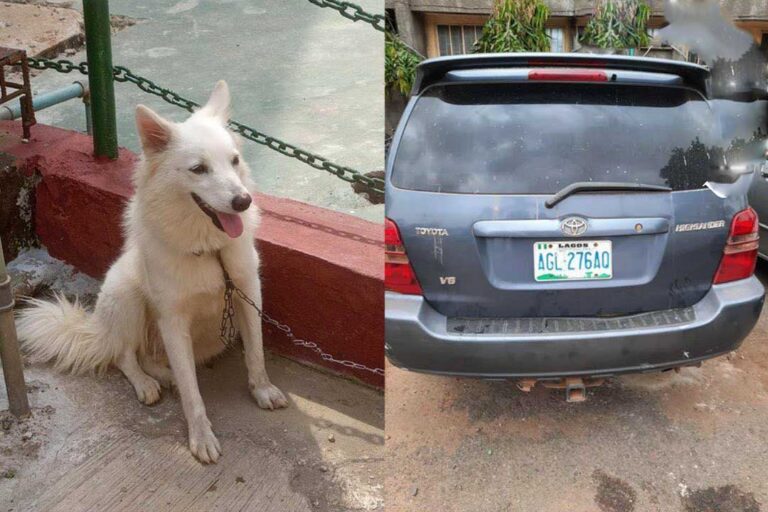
582, 260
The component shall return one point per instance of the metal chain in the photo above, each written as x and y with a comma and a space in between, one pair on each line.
62, 66
354, 12
228, 333
123, 74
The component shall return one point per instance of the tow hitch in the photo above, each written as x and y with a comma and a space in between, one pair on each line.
575, 387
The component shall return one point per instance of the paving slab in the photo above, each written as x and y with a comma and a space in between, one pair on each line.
694, 441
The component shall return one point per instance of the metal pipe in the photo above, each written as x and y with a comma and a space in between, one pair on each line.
10, 356
45, 100
98, 47
88, 121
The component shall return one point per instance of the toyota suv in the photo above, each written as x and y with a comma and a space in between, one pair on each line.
554, 216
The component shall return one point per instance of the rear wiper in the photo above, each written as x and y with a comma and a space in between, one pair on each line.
581, 186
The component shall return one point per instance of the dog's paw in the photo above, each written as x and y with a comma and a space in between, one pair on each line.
203, 443
147, 390
269, 397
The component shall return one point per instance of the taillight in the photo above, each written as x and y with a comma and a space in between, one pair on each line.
398, 274
740, 253
568, 75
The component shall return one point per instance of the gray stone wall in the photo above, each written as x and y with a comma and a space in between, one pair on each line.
738, 9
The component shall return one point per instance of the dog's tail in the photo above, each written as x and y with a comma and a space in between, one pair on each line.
65, 333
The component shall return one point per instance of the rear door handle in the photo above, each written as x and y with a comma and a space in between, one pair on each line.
551, 227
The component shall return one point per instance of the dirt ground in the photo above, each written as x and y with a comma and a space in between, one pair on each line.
41, 30
696, 441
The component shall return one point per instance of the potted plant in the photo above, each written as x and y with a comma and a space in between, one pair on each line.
617, 26
515, 26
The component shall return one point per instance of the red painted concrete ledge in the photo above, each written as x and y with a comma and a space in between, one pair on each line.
321, 270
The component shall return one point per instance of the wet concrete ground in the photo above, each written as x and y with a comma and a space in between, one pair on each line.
91, 445
696, 441
296, 71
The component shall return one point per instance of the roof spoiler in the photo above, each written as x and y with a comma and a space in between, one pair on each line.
433, 70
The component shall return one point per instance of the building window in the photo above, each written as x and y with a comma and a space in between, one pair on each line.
456, 34
457, 39
576, 34
390, 20
556, 39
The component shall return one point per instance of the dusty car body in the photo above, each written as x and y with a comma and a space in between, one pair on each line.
548, 216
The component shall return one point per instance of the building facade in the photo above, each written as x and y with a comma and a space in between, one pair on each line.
449, 27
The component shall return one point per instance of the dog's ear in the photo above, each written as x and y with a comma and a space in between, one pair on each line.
154, 131
218, 103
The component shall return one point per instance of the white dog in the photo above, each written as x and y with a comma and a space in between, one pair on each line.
162, 300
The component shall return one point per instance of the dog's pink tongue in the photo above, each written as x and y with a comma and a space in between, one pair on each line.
232, 224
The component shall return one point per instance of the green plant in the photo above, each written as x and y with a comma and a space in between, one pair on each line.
515, 26
399, 65
618, 24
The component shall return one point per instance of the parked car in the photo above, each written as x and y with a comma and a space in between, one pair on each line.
547, 216
758, 199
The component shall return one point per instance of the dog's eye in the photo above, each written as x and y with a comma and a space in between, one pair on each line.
235, 161
199, 169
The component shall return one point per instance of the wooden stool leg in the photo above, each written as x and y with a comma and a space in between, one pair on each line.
3, 90
10, 356
27, 110
13, 370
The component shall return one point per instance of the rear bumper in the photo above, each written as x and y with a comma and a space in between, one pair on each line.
417, 339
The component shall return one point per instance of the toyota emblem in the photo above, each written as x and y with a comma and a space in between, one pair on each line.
573, 226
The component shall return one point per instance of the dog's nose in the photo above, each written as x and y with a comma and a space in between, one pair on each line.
241, 203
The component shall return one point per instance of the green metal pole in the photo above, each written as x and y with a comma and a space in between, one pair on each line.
13, 370
98, 46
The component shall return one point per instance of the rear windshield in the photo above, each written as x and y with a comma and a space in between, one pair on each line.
538, 138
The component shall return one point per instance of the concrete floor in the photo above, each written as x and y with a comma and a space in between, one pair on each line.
296, 71
91, 446
696, 441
